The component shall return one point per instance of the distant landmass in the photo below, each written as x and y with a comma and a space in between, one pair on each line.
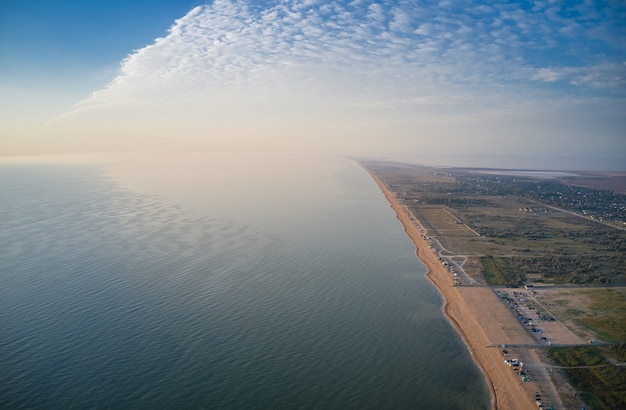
536, 259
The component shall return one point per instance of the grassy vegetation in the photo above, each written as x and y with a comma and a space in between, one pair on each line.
573, 312
616, 352
607, 316
498, 273
595, 312
526, 237
601, 384
560, 248
577, 356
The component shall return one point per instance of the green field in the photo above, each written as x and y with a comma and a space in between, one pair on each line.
606, 315
508, 239
601, 384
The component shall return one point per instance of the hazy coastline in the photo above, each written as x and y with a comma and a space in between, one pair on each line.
464, 315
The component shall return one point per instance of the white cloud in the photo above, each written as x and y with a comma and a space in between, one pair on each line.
425, 29
230, 44
598, 76
296, 64
547, 74
401, 21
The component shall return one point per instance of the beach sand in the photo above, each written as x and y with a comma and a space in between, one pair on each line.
484, 323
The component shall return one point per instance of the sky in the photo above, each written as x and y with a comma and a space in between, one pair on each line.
527, 82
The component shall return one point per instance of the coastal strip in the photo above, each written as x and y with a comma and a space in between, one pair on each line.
470, 310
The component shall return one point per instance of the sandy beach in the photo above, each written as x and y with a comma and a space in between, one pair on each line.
485, 324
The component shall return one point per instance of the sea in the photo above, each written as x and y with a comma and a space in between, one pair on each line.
217, 281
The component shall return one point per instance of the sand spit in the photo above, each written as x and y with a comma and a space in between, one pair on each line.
485, 324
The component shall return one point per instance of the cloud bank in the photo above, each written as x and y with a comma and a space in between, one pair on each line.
368, 76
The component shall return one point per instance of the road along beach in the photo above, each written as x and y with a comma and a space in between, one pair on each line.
485, 324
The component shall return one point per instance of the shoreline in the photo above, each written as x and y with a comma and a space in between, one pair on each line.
467, 318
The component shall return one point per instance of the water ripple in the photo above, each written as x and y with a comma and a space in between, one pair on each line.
116, 299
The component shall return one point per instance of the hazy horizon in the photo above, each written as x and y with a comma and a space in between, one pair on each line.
496, 163
538, 85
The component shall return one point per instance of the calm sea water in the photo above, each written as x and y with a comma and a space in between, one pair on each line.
248, 282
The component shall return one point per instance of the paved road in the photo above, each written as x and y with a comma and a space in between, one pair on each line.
579, 215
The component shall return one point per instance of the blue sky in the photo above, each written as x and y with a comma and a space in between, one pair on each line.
358, 77
69, 48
